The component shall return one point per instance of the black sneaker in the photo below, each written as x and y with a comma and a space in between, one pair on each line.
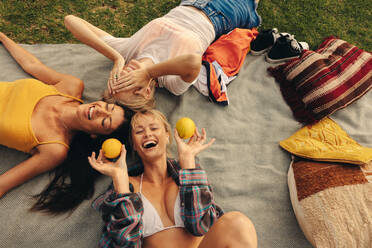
285, 48
264, 41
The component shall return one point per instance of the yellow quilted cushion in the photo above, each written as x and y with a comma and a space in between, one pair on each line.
326, 141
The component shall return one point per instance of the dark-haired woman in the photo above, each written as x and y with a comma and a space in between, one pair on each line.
41, 116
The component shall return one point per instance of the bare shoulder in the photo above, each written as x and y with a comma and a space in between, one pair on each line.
72, 86
47, 157
53, 152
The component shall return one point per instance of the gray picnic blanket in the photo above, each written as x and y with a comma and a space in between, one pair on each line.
246, 166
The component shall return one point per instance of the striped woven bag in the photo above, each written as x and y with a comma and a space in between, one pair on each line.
323, 81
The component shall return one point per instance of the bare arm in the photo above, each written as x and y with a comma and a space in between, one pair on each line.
37, 164
118, 171
186, 66
32, 65
91, 36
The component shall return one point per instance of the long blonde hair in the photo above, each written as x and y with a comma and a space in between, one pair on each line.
160, 116
137, 102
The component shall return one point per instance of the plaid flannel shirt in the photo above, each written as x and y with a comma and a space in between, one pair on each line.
122, 213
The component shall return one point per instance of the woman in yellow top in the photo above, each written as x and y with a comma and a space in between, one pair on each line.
41, 117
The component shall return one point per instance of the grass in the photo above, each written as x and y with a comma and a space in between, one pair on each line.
312, 20
41, 21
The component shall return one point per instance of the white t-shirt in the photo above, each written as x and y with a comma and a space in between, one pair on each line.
183, 30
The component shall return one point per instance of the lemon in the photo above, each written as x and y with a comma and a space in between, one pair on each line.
111, 148
185, 127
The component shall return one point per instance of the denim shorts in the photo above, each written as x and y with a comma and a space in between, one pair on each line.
226, 15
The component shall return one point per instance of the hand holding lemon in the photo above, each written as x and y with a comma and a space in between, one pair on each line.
111, 148
187, 150
111, 161
185, 127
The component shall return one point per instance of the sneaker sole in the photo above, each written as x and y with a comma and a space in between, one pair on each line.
274, 61
256, 53
304, 45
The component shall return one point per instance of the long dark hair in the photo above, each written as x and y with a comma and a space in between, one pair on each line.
73, 180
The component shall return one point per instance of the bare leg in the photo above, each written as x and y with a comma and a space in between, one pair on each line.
234, 230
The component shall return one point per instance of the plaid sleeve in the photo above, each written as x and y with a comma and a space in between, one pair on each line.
198, 208
122, 215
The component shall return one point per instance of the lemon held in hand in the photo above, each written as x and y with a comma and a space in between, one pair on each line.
185, 127
111, 148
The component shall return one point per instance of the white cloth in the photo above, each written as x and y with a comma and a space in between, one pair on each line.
201, 83
183, 30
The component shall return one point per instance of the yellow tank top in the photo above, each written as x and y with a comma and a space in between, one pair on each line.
17, 103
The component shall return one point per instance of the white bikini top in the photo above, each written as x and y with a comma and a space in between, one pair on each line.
151, 220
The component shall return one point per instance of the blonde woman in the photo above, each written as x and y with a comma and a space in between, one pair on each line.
171, 203
167, 51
